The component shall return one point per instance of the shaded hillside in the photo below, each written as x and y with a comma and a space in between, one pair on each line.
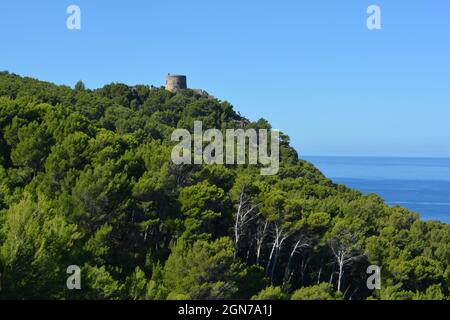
86, 179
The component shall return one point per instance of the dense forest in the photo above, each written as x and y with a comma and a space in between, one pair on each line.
86, 179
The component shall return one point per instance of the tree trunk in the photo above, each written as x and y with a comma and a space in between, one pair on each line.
270, 257
332, 276
291, 256
259, 242
236, 224
319, 274
341, 265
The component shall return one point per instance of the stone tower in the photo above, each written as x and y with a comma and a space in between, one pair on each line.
175, 83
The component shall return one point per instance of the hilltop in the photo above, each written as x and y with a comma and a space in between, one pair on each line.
86, 179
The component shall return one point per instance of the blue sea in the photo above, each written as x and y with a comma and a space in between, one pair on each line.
419, 184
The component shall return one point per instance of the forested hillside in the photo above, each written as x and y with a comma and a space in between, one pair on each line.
86, 179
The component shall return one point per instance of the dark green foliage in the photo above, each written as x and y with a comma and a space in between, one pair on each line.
323, 291
205, 270
271, 293
86, 179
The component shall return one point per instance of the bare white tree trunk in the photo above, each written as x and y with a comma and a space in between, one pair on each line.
236, 223
346, 291
320, 272
343, 257
275, 258
301, 243
276, 248
345, 248
341, 271
271, 255
303, 268
332, 276
261, 234
245, 213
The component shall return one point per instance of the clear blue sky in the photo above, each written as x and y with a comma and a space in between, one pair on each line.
311, 68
